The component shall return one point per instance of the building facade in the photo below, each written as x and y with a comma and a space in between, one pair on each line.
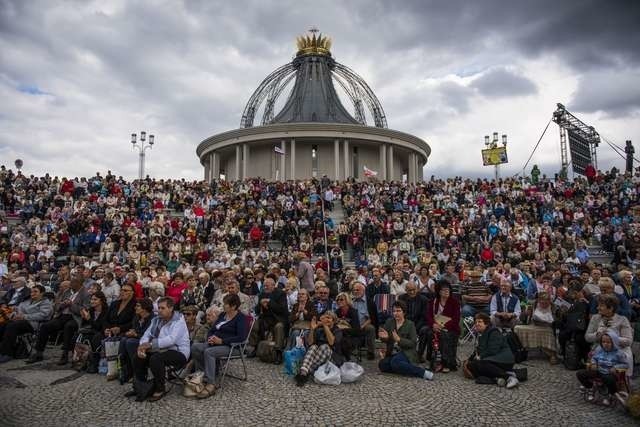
313, 134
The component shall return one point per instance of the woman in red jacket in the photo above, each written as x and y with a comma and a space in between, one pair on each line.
175, 287
443, 337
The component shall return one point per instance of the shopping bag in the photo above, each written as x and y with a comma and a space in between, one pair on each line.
111, 348
328, 374
351, 372
293, 360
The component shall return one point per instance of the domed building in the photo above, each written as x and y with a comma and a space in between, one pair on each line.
311, 133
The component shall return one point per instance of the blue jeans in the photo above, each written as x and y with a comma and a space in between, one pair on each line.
399, 364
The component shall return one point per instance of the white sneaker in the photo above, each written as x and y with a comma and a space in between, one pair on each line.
428, 375
512, 382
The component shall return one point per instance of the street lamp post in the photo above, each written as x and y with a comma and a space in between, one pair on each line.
493, 143
142, 147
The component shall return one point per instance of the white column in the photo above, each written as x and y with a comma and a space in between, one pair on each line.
216, 166
292, 175
383, 162
212, 166
346, 159
390, 164
283, 158
207, 171
336, 158
245, 160
238, 162
412, 168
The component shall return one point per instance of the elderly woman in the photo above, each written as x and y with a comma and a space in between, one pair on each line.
230, 327
348, 322
607, 287
325, 342
399, 334
443, 327
156, 291
300, 317
291, 288
607, 319
492, 360
193, 295
539, 333
129, 343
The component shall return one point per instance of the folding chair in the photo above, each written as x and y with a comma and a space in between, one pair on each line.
469, 332
237, 351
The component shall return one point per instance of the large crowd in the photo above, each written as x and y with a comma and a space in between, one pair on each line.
180, 273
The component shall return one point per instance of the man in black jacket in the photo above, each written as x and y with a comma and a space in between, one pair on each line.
272, 317
416, 312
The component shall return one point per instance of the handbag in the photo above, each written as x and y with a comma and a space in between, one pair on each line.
193, 384
80, 355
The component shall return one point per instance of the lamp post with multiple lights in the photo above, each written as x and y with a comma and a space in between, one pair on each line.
493, 143
142, 147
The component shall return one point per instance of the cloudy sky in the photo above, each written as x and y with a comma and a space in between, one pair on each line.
78, 77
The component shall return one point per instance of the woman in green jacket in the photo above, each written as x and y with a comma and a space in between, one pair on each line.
493, 360
400, 335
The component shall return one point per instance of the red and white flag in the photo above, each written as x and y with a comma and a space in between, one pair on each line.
369, 173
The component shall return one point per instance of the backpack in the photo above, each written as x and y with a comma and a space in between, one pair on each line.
519, 352
266, 351
571, 359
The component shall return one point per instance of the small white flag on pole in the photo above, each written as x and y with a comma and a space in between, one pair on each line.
369, 173
279, 150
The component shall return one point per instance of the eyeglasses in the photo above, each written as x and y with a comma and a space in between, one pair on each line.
340, 299
189, 314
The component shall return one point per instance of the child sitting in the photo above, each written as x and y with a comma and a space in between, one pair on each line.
604, 362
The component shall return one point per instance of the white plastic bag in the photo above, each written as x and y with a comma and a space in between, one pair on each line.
328, 374
351, 372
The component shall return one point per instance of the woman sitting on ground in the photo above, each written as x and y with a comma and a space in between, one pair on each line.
492, 360
446, 334
400, 357
129, 343
348, 322
94, 321
300, 317
230, 327
325, 344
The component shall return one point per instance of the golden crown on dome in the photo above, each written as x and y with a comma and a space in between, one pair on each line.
313, 44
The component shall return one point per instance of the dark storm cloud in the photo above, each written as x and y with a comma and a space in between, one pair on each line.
501, 82
615, 93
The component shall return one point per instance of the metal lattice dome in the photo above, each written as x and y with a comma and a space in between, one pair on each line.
312, 97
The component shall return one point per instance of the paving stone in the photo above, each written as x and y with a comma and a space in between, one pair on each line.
550, 397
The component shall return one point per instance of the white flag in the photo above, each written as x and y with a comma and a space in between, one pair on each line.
369, 173
279, 150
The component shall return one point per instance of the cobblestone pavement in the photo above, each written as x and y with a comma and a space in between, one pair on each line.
45, 395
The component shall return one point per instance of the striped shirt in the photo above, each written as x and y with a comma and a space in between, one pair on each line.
476, 289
